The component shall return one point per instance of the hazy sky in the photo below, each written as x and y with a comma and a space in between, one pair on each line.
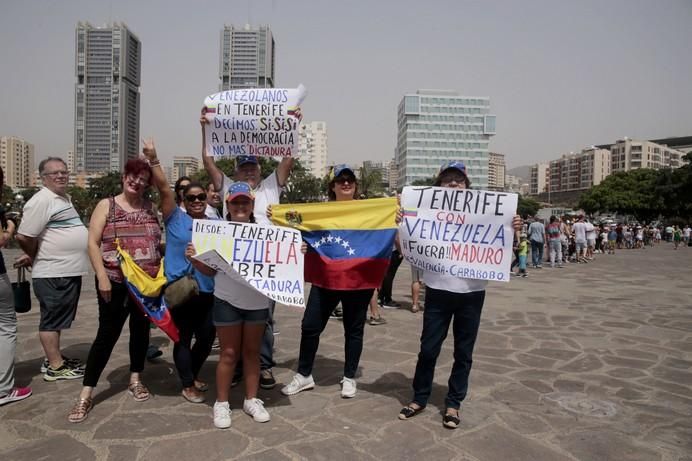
561, 75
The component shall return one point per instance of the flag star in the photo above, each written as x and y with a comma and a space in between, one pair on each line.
323, 240
316, 245
345, 244
351, 252
330, 239
337, 239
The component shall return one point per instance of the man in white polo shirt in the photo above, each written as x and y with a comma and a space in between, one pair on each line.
55, 242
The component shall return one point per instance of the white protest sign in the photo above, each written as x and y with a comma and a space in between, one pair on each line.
267, 258
458, 232
256, 121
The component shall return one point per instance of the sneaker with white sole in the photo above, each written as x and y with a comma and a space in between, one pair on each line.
72, 363
348, 388
255, 408
62, 372
298, 384
15, 395
222, 415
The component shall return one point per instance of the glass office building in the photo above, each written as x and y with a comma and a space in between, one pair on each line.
436, 126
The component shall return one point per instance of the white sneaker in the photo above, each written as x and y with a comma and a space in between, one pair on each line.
298, 384
348, 388
222, 415
255, 408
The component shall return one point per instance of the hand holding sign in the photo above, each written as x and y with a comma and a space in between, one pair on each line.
459, 232
256, 121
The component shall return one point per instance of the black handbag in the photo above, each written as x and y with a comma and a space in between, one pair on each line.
22, 292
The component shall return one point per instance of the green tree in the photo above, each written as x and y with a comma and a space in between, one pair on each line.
674, 187
106, 186
527, 207
424, 182
29, 192
7, 194
302, 186
83, 201
632, 192
370, 182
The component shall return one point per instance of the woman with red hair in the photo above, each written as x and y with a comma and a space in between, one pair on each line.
132, 219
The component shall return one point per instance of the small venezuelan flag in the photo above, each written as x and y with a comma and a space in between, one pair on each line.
350, 242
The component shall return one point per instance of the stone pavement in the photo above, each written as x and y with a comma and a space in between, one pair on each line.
590, 362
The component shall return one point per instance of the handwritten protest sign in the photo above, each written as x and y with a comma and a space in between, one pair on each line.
458, 232
256, 121
267, 258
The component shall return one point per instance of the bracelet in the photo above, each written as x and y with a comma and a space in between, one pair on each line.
155, 163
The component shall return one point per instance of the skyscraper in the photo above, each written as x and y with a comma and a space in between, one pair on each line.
246, 58
312, 147
17, 161
496, 171
436, 126
107, 66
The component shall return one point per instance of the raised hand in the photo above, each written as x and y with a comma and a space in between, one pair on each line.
149, 150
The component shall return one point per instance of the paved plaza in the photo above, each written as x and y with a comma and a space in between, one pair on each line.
590, 362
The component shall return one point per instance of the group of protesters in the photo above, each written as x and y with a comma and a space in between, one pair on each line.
566, 239
58, 248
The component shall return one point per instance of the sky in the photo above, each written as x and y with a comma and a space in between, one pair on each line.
561, 75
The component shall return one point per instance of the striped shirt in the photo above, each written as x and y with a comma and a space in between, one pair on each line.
62, 236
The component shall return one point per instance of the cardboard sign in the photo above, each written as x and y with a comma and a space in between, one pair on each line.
458, 232
266, 258
258, 121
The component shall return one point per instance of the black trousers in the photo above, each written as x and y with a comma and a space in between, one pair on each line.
112, 316
194, 320
385, 294
321, 304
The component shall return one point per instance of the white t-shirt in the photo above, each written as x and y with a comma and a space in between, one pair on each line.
266, 193
686, 232
590, 231
238, 294
211, 213
579, 230
62, 236
453, 284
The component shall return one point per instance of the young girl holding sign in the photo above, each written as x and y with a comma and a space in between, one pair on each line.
240, 315
446, 298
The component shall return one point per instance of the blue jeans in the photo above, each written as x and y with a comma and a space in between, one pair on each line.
321, 304
440, 308
536, 253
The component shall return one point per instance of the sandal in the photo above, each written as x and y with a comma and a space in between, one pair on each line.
451, 421
409, 412
138, 391
80, 410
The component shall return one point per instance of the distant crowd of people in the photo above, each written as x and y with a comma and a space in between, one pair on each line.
576, 240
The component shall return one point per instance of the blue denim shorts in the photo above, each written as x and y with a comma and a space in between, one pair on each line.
226, 315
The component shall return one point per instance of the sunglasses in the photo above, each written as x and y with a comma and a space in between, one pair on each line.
344, 179
199, 197
453, 177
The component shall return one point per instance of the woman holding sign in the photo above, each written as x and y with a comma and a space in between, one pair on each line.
321, 303
192, 317
454, 300
240, 314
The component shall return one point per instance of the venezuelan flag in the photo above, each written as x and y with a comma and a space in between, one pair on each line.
350, 242
156, 309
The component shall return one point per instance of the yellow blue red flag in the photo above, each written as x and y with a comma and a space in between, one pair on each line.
350, 242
